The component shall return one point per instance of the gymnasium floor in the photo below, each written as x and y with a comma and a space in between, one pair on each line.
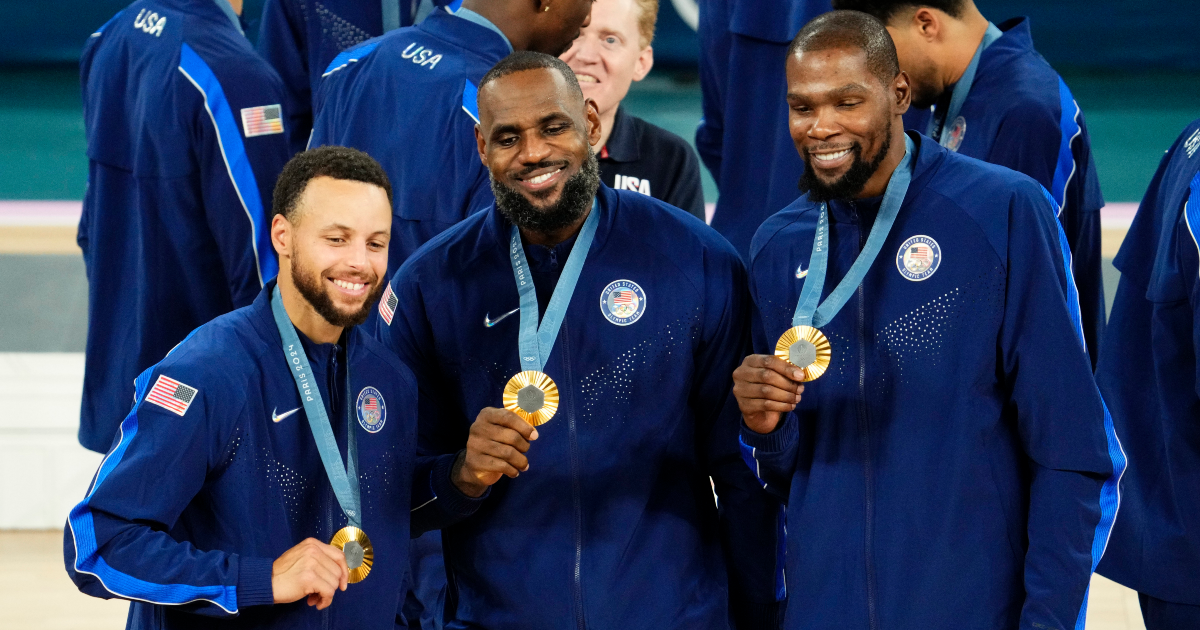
1132, 120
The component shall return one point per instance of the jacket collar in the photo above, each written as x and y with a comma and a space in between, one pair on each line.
466, 34
929, 156
497, 229
263, 320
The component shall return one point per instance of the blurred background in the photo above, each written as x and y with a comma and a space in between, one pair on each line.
1133, 67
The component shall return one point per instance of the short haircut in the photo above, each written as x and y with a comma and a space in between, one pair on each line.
885, 10
851, 29
647, 19
328, 161
523, 60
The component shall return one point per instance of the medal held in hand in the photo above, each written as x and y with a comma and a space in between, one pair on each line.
804, 345
351, 540
531, 394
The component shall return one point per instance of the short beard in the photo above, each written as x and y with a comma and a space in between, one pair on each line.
577, 194
310, 286
850, 184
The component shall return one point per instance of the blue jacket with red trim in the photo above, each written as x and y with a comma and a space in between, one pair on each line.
425, 76
1148, 374
956, 466
1020, 114
614, 524
215, 473
185, 140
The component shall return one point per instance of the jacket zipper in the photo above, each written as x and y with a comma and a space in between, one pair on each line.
864, 428
575, 492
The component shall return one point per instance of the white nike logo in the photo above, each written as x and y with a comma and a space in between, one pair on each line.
489, 322
277, 418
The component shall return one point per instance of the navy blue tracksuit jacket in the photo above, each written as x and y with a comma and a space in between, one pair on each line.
206, 485
1149, 377
743, 138
613, 526
956, 466
1020, 114
427, 73
185, 140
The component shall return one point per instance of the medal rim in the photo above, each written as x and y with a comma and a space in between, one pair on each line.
812, 335
347, 534
539, 380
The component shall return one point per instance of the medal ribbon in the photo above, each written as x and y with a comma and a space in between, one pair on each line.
808, 313
937, 124
536, 341
343, 480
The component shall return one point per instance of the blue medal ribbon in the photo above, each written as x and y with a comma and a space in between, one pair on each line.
941, 126
536, 341
808, 313
343, 480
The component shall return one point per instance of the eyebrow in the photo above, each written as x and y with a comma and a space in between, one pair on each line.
513, 128
840, 91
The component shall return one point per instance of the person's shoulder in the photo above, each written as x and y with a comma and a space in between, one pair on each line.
221, 353
799, 213
655, 222
974, 183
399, 370
453, 249
651, 136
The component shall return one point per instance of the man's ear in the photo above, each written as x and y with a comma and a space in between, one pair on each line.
482, 144
902, 90
592, 113
645, 62
281, 235
927, 23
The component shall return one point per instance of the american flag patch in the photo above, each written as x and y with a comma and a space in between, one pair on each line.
623, 297
388, 304
371, 404
262, 120
171, 395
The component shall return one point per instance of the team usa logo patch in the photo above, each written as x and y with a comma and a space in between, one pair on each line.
171, 395
957, 131
388, 304
919, 257
623, 302
372, 412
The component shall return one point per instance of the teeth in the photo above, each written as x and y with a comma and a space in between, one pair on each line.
541, 178
584, 78
829, 157
351, 286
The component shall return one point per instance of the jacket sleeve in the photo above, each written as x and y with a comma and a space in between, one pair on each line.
1053, 148
1074, 458
749, 517
238, 166
714, 34
283, 42
117, 541
436, 502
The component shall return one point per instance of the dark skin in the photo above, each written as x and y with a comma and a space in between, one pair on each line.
545, 26
835, 102
531, 124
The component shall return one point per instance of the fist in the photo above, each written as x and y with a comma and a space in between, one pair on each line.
766, 387
496, 448
311, 569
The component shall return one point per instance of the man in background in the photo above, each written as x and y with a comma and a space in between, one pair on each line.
186, 134
610, 54
994, 98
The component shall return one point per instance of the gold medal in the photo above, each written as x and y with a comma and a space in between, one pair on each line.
806, 348
358, 551
531, 395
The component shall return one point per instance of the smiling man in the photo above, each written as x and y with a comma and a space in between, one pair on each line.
947, 461
611, 321
269, 460
612, 52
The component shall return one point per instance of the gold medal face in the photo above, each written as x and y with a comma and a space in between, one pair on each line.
531, 395
358, 550
806, 348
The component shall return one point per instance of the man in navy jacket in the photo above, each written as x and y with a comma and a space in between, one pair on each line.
604, 516
216, 499
994, 98
955, 466
1148, 374
186, 136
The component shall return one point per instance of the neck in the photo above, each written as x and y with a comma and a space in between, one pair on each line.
237, 6
879, 181
501, 14
554, 238
302, 315
607, 119
964, 39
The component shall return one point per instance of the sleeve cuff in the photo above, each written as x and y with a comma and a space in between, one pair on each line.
782, 438
450, 499
254, 582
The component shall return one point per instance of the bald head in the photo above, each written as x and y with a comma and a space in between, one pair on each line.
852, 30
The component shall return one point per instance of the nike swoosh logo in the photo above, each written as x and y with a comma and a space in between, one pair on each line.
489, 322
278, 418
